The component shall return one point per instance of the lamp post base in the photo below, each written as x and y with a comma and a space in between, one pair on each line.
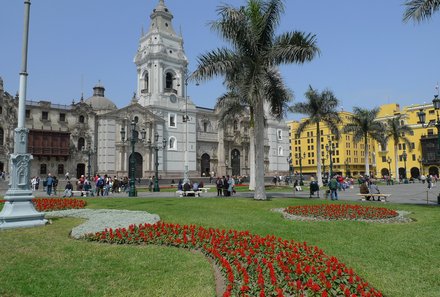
19, 211
156, 185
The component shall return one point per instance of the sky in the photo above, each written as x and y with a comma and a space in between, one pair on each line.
368, 55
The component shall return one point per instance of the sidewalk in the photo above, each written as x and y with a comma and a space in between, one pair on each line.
417, 193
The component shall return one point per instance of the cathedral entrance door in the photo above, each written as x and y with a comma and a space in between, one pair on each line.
235, 162
205, 165
80, 170
138, 160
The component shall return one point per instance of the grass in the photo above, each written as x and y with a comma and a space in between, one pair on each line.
398, 259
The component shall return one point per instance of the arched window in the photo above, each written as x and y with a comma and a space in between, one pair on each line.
81, 143
169, 81
235, 125
145, 83
81, 119
172, 143
280, 151
2, 135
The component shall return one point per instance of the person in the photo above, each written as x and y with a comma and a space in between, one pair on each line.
429, 181
34, 183
186, 186
180, 186
231, 184
100, 186
54, 185
68, 190
67, 176
296, 186
333, 187
363, 189
374, 189
49, 183
195, 186
219, 185
150, 184
225, 185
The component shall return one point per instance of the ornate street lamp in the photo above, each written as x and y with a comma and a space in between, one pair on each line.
421, 160
289, 161
90, 152
323, 164
301, 157
346, 167
404, 156
330, 148
19, 211
422, 119
134, 139
156, 145
389, 166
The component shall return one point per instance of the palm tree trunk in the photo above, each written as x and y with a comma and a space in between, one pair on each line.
367, 164
396, 162
318, 152
260, 192
252, 158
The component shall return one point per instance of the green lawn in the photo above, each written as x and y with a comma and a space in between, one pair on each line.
398, 259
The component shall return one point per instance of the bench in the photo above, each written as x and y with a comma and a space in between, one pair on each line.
381, 197
205, 190
81, 193
186, 193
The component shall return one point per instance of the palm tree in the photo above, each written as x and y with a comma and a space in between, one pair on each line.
320, 107
420, 10
396, 130
363, 125
253, 61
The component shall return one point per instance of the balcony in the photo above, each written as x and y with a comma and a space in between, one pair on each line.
169, 90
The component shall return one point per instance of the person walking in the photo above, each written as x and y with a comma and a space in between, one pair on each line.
333, 187
219, 185
49, 184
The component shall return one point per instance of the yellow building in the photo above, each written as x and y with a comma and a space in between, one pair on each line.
421, 155
347, 156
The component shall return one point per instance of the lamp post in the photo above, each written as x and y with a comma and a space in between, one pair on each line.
324, 174
89, 151
289, 161
156, 145
404, 156
134, 139
422, 119
389, 166
346, 167
330, 148
19, 211
301, 157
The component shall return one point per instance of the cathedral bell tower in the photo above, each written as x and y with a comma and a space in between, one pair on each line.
161, 62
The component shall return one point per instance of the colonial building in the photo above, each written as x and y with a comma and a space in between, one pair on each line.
93, 135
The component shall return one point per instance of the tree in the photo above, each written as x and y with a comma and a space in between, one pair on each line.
396, 130
252, 63
420, 10
320, 108
363, 125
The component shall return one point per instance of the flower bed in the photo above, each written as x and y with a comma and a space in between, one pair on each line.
50, 204
253, 265
342, 212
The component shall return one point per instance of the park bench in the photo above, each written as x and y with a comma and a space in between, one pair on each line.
205, 190
379, 196
188, 193
81, 193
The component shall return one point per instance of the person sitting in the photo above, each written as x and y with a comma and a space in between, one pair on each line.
195, 186
186, 187
364, 190
68, 190
180, 186
296, 186
374, 189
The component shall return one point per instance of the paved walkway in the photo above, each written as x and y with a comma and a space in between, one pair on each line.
417, 193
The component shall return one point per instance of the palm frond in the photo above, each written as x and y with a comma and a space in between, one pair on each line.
420, 10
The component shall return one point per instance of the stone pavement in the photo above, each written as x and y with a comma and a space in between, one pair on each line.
416, 193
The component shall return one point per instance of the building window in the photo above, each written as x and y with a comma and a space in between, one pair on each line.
280, 134
81, 143
1, 109
235, 125
205, 127
384, 159
81, 119
60, 168
2, 134
172, 120
280, 151
430, 132
28, 113
169, 81
44, 115
62, 117
43, 169
172, 143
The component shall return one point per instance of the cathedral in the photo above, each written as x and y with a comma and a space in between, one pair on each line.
161, 126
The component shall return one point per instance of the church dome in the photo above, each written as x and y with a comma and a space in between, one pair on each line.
98, 101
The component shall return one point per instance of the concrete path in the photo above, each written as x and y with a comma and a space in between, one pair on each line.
417, 193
